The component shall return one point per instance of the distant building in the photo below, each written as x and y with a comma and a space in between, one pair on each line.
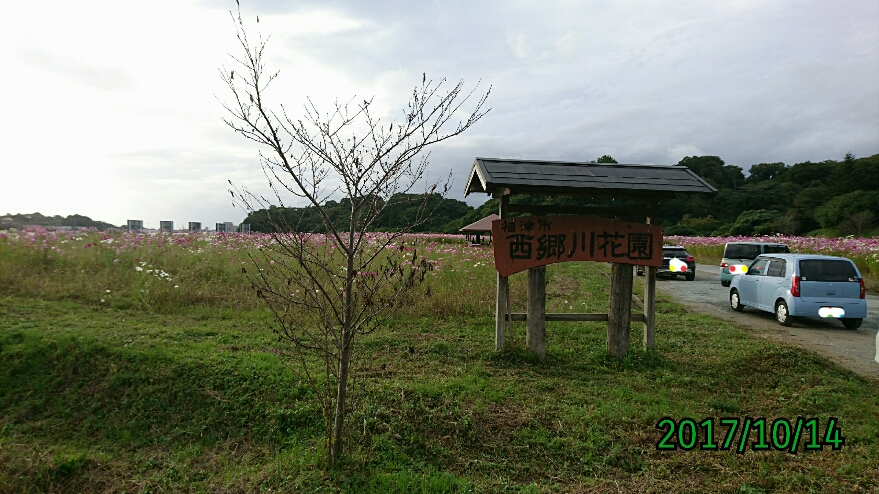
244, 228
135, 225
478, 231
166, 226
194, 226
226, 227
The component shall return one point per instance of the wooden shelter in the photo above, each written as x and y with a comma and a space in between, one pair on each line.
643, 187
477, 230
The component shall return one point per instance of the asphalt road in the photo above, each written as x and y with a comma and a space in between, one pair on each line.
855, 350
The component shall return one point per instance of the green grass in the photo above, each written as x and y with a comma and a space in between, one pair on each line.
202, 398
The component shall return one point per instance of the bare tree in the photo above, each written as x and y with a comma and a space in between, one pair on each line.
326, 289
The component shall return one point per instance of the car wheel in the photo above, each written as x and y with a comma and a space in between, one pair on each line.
782, 315
734, 302
724, 283
851, 322
690, 276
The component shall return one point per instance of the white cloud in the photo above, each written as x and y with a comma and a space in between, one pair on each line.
99, 78
682, 150
113, 108
518, 41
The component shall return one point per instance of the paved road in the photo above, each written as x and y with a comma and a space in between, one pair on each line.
853, 349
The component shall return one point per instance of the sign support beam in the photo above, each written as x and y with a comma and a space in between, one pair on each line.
619, 316
503, 287
650, 295
536, 318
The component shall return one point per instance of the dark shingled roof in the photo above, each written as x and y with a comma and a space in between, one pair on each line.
562, 177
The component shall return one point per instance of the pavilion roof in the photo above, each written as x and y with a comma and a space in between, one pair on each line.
483, 225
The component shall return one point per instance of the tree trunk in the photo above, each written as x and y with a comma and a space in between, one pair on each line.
346, 339
341, 395
619, 315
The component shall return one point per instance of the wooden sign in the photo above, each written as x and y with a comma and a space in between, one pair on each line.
531, 241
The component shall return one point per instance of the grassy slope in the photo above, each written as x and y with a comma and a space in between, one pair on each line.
125, 401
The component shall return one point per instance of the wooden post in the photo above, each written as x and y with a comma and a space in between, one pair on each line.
537, 310
503, 291
650, 294
503, 288
649, 307
620, 305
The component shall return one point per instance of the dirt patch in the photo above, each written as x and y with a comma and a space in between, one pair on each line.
561, 286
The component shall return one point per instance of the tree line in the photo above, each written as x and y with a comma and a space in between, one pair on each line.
830, 197
20, 221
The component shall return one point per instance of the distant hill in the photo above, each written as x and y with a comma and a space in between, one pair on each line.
402, 210
20, 221
830, 198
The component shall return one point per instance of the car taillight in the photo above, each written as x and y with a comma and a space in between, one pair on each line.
863, 288
691, 259
724, 265
795, 286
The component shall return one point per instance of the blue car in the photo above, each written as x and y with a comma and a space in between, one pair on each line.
801, 285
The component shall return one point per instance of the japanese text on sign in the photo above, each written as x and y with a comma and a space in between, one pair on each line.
531, 241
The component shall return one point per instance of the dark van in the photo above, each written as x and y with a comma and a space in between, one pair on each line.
745, 253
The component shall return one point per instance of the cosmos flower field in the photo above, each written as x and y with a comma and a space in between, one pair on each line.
169, 271
165, 271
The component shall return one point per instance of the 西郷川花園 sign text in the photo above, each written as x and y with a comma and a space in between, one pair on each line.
531, 241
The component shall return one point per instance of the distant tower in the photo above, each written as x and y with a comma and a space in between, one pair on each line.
166, 226
194, 226
221, 228
244, 228
135, 225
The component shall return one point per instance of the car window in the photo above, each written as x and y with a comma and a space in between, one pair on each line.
827, 270
758, 268
775, 249
776, 268
677, 253
741, 251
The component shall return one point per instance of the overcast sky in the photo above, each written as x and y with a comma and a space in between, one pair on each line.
111, 109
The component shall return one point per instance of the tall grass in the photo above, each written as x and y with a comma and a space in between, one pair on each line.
174, 272
164, 272
155, 272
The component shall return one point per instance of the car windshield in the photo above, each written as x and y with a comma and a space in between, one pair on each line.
827, 270
741, 251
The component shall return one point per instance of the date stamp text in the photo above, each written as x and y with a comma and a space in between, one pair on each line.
741, 434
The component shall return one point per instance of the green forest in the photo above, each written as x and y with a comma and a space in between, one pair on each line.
830, 198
